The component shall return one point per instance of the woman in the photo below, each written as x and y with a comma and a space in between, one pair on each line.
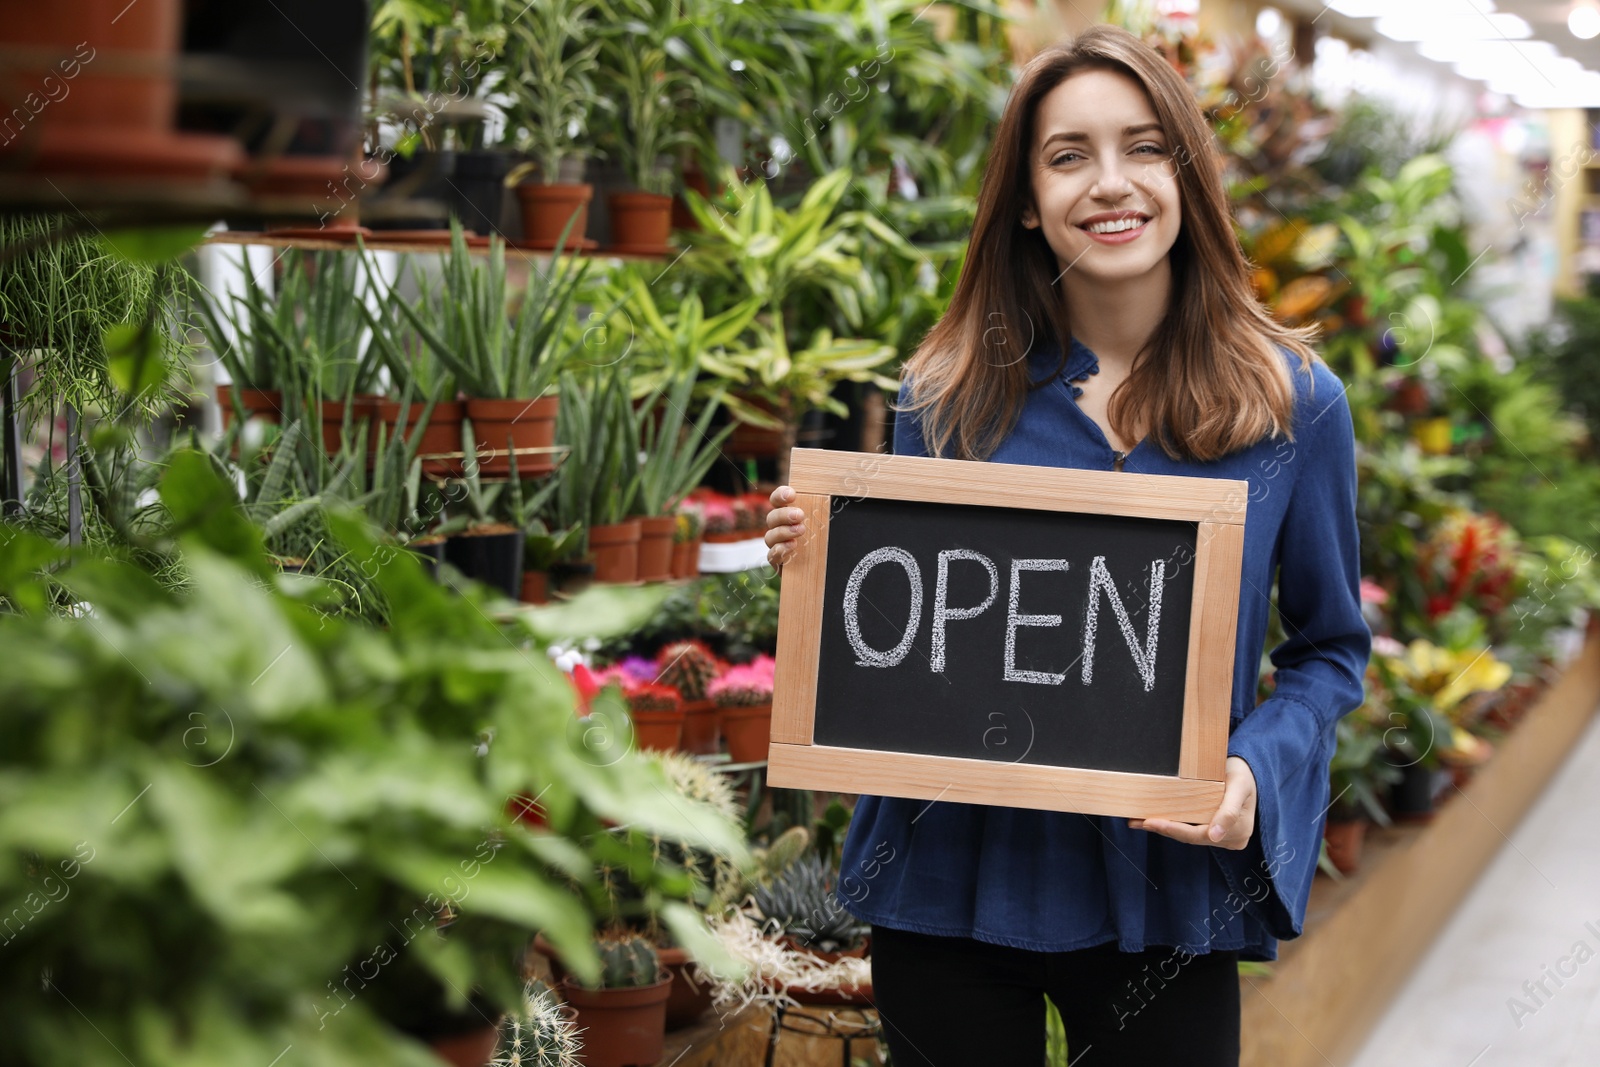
1102, 222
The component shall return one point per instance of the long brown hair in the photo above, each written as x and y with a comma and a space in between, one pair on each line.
1209, 381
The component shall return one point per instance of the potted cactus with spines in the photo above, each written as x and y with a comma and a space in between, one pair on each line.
743, 697
690, 668
542, 1034
624, 1020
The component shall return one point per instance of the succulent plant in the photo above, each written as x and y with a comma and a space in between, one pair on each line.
627, 961
691, 522
801, 900
649, 697
539, 1035
719, 517
689, 667
745, 685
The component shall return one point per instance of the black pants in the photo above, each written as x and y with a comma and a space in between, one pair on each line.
957, 1002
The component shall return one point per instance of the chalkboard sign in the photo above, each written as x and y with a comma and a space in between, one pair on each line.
1004, 634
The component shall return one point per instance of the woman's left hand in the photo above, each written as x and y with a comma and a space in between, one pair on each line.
1234, 821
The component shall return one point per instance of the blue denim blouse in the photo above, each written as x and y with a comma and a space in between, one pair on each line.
1052, 881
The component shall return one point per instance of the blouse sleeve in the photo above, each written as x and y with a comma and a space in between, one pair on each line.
1288, 740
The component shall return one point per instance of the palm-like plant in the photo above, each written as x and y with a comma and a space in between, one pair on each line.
677, 453
641, 34
598, 428
556, 51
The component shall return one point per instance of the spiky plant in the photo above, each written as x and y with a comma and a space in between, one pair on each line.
689, 667
539, 1035
650, 697
627, 961
800, 899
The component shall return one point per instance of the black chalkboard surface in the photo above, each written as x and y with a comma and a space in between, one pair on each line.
1005, 634
1075, 659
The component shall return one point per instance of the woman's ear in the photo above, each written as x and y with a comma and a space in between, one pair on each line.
1030, 218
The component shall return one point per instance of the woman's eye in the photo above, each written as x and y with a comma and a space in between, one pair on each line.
1064, 157
1151, 149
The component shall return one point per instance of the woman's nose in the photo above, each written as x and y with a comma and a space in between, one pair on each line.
1112, 183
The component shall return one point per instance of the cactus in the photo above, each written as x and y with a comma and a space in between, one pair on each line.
689, 667
785, 849
800, 900
743, 686
627, 961
652, 698
539, 1035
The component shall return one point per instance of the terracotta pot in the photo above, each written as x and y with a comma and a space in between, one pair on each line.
700, 727
535, 587
686, 558
655, 547
748, 731
729, 536
754, 441
694, 178
472, 1049
361, 407
1344, 837
688, 999
621, 1027
116, 63
442, 433
264, 404
546, 210
640, 222
615, 549
658, 730
499, 424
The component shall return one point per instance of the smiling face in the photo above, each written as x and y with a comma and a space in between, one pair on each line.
1104, 190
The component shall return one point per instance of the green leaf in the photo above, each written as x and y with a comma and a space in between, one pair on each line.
134, 358
154, 244
206, 507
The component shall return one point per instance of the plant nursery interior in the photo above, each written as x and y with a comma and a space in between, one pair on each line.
392, 398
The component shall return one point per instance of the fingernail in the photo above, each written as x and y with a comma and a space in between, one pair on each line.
1216, 833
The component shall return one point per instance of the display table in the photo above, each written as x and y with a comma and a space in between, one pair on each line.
1365, 934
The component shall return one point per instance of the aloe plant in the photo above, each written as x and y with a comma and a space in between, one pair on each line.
601, 469
677, 453
493, 351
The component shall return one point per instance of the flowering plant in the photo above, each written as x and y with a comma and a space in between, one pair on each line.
745, 685
689, 666
1469, 559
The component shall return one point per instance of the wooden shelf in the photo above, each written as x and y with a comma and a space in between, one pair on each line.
376, 243
1365, 934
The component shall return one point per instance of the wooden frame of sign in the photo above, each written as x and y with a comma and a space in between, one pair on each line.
1217, 506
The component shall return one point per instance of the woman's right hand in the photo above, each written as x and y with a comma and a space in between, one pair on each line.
784, 527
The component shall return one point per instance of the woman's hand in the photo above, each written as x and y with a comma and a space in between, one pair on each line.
1234, 821
784, 527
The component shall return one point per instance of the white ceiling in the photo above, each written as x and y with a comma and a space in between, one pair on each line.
1541, 71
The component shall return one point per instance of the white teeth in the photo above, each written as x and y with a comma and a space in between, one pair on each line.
1116, 226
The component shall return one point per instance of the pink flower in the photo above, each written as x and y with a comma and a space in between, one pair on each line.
1373, 593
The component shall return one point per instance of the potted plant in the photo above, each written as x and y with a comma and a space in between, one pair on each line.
484, 543
653, 93
677, 454
690, 668
543, 1034
1358, 777
598, 431
720, 520
800, 900
743, 696
556, 48
624, 1016
504, 361
543, 548
245, 333
686, 534
657, 714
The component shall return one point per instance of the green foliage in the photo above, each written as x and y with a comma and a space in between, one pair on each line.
801, 901
597, 425
1359, 776
554, 49
72, 307
638, 39
468, 323
201, 848
627, 961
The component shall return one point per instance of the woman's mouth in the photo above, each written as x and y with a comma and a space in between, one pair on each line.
1115, 229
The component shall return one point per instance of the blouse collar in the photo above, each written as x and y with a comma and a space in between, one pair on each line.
1081, 362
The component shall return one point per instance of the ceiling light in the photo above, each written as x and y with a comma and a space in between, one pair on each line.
1583, 21
1370, 9
1414, 26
